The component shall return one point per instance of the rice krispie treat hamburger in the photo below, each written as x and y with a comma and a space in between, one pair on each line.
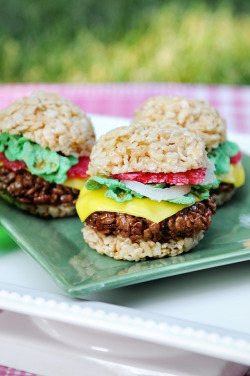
148, 192
198, 117
45, 142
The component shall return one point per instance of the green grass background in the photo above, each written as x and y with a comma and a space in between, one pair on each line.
125, 40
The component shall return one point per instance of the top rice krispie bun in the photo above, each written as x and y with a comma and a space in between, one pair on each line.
166, 147
193, 114
51, 121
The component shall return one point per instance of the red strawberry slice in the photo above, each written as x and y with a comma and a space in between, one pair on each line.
178, 178
79, 170
15, 166
236, 158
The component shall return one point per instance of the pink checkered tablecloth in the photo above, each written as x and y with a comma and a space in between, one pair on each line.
6, 371
121, 99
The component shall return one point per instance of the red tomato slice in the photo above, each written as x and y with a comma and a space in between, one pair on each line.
236, 158
178, 178
79, 170
15, 166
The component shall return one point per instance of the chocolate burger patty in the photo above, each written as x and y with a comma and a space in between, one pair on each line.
223, 193
223, 188
32, 189
185, 223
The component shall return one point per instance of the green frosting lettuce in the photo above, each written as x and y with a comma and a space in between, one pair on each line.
116, 191
43, 162
187, 199
221, 156
121, 193
215, 184
200, 191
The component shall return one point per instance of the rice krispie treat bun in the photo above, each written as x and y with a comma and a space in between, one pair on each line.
193, 114
132, 149
51, 121
204, 120
45, 142
147, 195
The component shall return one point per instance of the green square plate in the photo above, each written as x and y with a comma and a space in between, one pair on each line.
58, 246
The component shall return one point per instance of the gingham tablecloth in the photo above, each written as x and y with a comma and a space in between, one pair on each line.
121, 99
6, 371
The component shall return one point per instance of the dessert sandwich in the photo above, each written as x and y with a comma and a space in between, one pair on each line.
198, 117
148, 192
45, 142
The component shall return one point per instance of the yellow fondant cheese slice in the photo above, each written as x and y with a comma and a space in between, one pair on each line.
92, 201
75, 183
235, 176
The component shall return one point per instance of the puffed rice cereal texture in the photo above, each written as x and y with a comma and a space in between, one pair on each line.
147, 149
222, 197
195, 115
51, 121
124, 249
58, 211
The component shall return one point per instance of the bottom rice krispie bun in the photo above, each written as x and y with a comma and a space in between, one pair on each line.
45, 142
199, 117
148, 192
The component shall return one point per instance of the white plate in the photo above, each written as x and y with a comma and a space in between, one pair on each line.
206, 312
50, 348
